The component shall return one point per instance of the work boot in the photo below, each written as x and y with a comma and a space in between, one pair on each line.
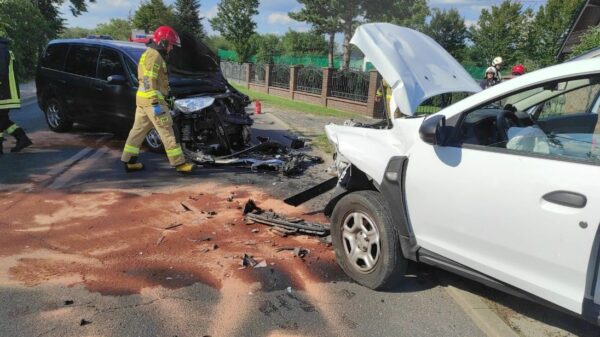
22, 140
185, 168
133, 166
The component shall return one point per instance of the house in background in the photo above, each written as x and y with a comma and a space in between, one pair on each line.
588, 16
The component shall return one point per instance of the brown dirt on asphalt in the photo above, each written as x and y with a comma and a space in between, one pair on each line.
118, 243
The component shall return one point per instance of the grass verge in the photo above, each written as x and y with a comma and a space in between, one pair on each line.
293, 105
322, 143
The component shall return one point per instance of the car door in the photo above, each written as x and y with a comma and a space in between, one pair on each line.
526, 218
116, 100
80, 91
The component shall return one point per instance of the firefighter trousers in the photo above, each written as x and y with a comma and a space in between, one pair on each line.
6, 125
145, 120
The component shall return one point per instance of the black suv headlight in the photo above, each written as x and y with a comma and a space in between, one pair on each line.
193, 104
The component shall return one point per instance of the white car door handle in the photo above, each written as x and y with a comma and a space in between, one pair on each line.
566, 198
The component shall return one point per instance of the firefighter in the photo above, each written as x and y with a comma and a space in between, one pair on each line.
9, 99
497, 64
152, 110
518, 70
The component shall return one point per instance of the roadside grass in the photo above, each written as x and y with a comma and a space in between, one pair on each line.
293, 105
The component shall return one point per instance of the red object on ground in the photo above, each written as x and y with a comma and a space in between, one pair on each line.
257, 107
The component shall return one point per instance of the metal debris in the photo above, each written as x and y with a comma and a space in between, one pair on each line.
160, 240
248, 261
69, 302
291, 225
185, 207
84, 322
173, 226
261, 264
298, 251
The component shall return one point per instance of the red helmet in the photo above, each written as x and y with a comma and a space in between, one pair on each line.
519, 69
165, 36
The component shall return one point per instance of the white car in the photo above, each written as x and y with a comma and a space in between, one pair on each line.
502, 187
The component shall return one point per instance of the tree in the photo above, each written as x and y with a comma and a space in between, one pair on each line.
25, 27
501, 32
234, 22
50, 10
322, 15
187, 13
267, 46
216, 42
303, 43
449, 30
152, 14
75, 33
408, 13
589, 41
549, 28
119, 29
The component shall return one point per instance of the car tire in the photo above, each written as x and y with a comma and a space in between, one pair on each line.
369, 253
153, 142
56, 116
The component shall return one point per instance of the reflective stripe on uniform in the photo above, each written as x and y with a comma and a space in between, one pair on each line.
132, 149
149, 94
175, 152
150, 74
11, 129
13, 102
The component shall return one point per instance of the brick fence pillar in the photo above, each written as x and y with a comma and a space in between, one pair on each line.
293, 79
326, 90
374, 80
247, 74
268, 76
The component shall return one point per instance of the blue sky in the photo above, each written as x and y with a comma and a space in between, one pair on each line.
273, 13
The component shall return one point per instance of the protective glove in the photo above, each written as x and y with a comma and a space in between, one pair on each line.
157, 110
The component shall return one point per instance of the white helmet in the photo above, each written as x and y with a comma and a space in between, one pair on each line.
497, 60
491, 70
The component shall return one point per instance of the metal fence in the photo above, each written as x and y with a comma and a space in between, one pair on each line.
309, 79
350, 84
280, 76
257, 73
233, 70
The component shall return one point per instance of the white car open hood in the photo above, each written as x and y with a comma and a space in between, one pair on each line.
412, 63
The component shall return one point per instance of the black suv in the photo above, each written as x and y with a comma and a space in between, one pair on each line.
94, 82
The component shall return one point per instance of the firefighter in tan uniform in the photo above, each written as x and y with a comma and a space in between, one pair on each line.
152, 110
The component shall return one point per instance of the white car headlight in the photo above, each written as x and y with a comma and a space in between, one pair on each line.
188, 105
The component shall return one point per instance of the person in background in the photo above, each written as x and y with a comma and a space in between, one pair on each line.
490, 78
497, 64
518, 70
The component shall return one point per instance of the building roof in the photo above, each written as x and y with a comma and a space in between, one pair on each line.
587, 16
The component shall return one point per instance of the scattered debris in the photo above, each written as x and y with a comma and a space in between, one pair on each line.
230, 198
261, 264
326, 240
215, 246
173, 226
69, 302
292, 225
160, 240
185, 207
248, 261
312, 192
289, 290
298, 251
255, 230
212, 213
84, 322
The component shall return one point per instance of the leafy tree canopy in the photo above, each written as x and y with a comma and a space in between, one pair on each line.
187, 13
119, 29
588, 42
235, 22
449, 30
152, 14
303, 43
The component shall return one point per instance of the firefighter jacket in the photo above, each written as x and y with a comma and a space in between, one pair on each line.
153, 79
9, 87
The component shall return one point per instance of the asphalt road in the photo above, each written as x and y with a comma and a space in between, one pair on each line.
319, 303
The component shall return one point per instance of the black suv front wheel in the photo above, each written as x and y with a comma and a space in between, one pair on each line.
365, 242
56, 116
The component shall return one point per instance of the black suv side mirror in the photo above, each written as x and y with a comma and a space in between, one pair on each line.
431, 129
116, 80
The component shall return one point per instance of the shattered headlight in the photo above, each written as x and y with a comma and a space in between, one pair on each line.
193, 104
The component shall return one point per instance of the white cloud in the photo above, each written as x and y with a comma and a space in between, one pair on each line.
211, 13
280, 18
120, 3
471, 23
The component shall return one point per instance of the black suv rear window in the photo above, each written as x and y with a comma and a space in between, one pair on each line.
82, 60
54, 57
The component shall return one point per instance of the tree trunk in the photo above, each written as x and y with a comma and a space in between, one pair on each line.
331, 48
347, 49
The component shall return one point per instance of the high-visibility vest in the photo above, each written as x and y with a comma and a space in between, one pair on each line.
9, 88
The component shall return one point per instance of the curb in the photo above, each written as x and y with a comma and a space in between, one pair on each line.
484, 317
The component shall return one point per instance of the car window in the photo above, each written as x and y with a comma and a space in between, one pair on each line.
82, 60
54, 57
132, 70
565, 128
574, 102
109, 64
